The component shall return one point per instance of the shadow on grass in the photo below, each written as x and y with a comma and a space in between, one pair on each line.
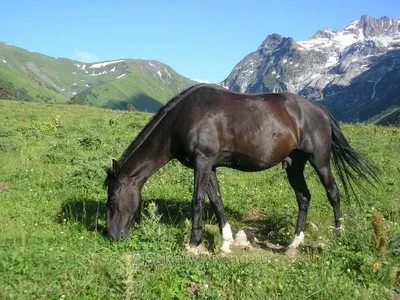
91, 214
268, 232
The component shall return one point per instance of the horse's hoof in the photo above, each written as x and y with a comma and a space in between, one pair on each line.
225, 250
338, 230
196, 250
291, 252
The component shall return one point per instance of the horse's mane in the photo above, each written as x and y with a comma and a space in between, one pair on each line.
142, 136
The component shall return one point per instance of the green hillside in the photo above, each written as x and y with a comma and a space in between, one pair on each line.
52, 216
389, 117
114, 84
25, 87
147, 85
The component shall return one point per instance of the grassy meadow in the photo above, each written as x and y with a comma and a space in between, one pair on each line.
52, 219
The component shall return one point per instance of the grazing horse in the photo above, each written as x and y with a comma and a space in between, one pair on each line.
207, 126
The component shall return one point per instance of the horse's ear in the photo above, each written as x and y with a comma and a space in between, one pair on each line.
115, 167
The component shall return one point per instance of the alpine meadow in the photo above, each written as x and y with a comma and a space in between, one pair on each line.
200, 150
53, 159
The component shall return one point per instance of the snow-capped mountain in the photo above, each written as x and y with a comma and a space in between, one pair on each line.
350, 70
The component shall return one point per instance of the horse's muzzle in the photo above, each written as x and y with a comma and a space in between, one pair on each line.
118, 235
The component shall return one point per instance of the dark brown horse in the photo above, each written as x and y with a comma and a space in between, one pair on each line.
207, 126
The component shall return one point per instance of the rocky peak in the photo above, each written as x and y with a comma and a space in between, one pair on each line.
271, 42
372, 27
326, 33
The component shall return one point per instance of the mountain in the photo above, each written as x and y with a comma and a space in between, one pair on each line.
31, 76
354, 72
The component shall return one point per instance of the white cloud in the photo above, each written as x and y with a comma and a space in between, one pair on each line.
85, 56
201, 80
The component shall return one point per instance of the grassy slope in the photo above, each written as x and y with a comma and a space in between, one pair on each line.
140, 79
34, 88
25, 69
52, 213
57, 72
390, 116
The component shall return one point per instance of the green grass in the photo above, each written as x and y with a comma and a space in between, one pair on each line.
52, 214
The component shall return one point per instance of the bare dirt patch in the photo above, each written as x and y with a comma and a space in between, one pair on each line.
3, 187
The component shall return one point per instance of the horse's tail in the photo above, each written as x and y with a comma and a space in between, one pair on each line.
351, 166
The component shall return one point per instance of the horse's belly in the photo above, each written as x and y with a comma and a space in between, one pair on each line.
239, 161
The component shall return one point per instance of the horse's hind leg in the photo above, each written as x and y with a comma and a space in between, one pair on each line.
214, 194
295, 174
322, 166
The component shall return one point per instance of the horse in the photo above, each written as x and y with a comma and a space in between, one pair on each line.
207, 126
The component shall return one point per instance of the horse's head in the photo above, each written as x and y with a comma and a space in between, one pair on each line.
123, 201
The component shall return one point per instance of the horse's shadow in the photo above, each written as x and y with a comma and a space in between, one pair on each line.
91, 214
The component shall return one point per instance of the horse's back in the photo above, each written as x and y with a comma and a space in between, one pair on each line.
261, 129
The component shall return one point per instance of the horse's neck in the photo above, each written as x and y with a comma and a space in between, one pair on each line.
149, 157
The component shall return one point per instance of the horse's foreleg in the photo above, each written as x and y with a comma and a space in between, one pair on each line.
214, 194
201, 178
296, 179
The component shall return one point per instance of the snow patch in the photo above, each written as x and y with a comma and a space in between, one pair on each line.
168, 73
74, 73
201, 80
332, 60
120, 76
4, 61
223, 85
273, 72
352, 25
152, 65
159, 74
284, 60
103, 64
315, 75
105, 72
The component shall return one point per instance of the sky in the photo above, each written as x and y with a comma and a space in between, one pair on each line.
202, 40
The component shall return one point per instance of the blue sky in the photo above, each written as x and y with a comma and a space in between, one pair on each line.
199, 39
